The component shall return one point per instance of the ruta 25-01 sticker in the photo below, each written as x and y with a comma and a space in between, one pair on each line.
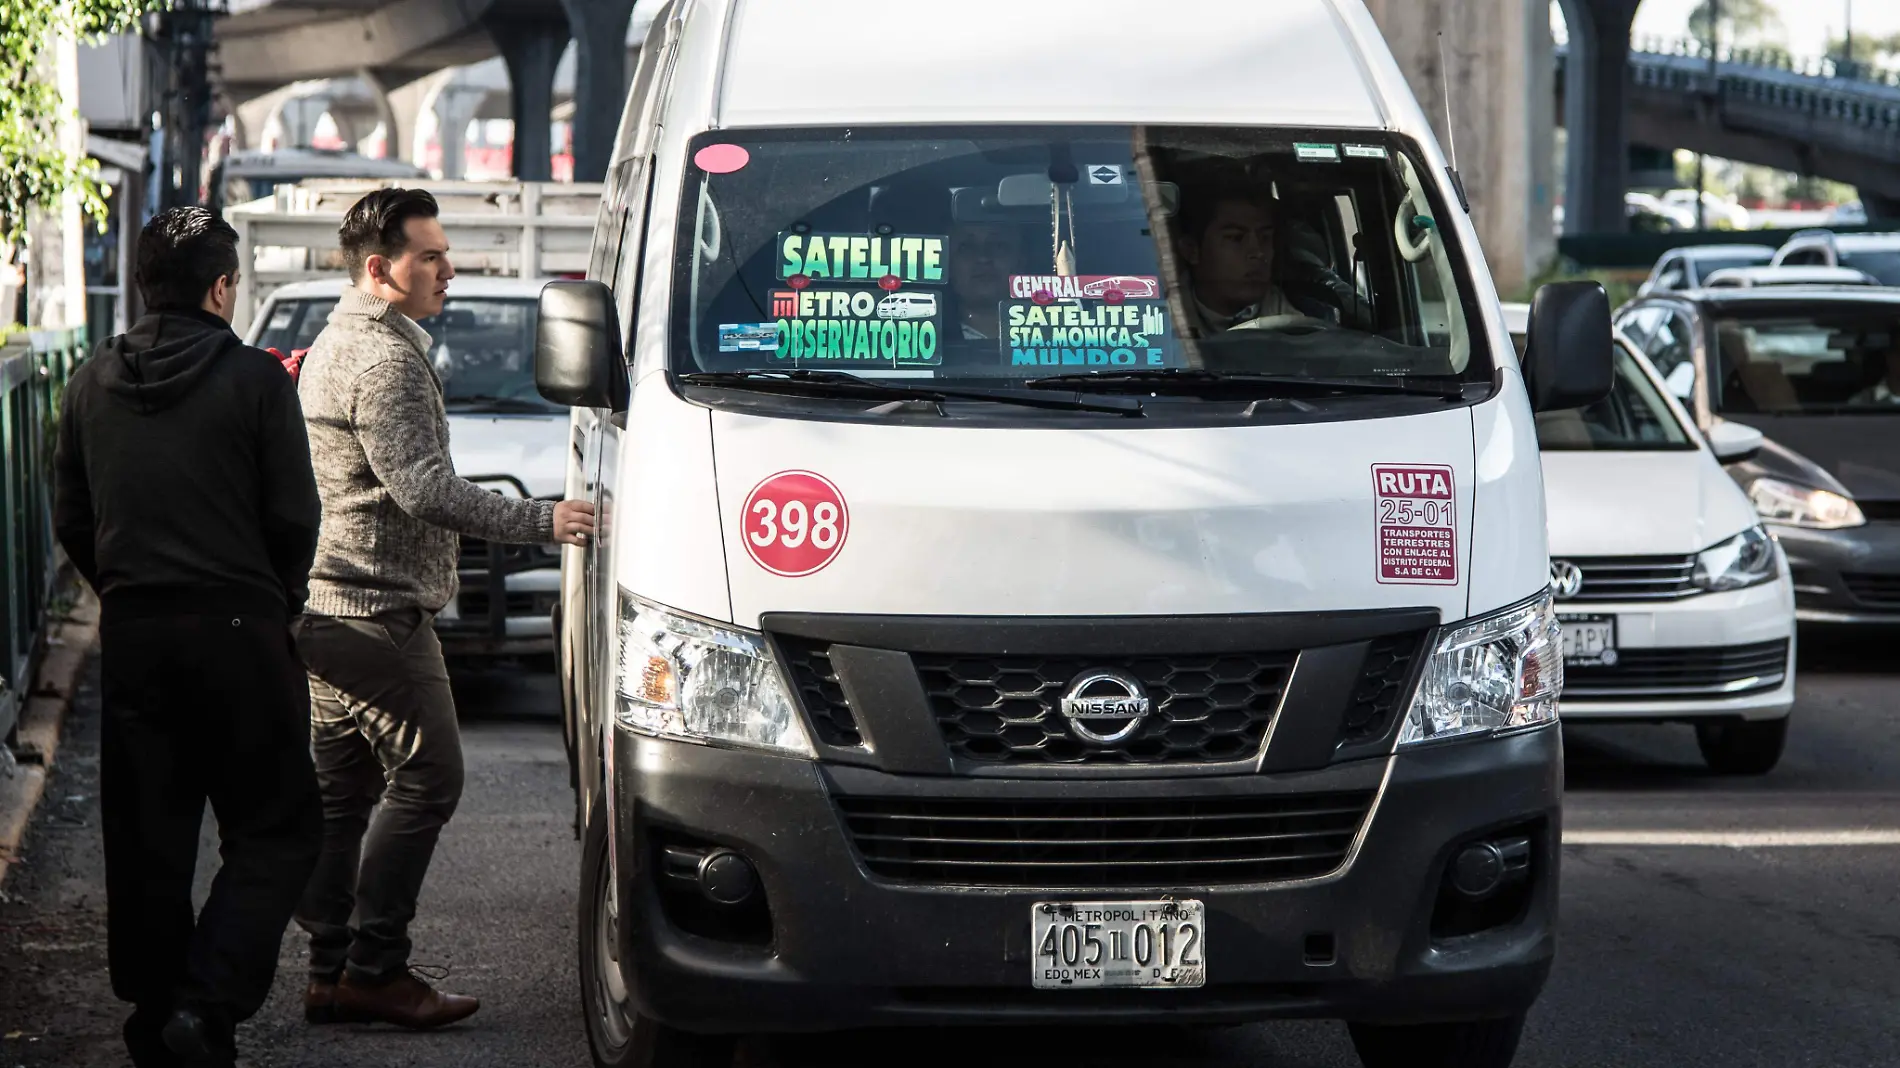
1416, 513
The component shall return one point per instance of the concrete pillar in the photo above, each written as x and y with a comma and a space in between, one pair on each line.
600, 81
1498, 63
455, 106
297, 118
1596, 91
531, 48
400, 102
56, 265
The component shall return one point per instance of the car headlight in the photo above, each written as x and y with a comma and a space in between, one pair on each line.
695, 681
1802, 506
1746, 559
1499, 673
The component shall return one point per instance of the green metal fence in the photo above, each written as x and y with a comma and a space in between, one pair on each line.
34, 369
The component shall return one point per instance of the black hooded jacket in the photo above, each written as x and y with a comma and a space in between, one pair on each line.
183, 482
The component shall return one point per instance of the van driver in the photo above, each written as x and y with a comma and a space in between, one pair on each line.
1226, 239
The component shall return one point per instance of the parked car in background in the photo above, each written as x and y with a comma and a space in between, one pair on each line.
502, 434
1690, 266
1876, 254
1718, 212
1852, 213
1749, 277
1817, 370
1675, 602
1649, 215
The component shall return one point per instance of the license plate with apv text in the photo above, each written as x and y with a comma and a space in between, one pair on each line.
1589, 641
1093, 944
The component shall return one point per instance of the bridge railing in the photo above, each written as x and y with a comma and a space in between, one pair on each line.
34, 370
1776, 59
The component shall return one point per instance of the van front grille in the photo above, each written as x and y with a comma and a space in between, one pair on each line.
1150, 843
1001, 709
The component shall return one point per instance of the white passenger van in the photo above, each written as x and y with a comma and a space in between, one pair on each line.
1090, 651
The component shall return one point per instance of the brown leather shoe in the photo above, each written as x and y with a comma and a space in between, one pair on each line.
405, 1001
319, 1002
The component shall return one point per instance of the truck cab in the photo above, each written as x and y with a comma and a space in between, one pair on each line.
1153, 626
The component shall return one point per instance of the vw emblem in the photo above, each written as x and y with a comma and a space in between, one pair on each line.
1566, 579
1105, 706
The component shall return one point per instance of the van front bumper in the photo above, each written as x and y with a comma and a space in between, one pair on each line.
848, 949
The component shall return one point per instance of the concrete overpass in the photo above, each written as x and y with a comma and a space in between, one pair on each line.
1810, 117
265, 45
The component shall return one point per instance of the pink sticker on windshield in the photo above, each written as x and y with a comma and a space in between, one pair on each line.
721, 159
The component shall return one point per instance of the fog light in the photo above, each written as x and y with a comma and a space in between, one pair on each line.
1478, 870
726, 878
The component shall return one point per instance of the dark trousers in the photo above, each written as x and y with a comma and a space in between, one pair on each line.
199, 708
383, 730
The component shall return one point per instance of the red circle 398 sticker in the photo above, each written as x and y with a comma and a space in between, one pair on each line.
795, 523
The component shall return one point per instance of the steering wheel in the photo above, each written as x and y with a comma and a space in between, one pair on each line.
1292, 323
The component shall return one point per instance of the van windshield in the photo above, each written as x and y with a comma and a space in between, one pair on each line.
1014, 253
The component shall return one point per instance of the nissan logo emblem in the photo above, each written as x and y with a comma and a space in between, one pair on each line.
1566, 579
1105, 706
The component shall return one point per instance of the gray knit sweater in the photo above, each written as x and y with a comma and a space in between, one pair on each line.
379, 440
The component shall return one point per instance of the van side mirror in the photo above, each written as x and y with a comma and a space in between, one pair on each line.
1568, 351
1733, 443
577, 354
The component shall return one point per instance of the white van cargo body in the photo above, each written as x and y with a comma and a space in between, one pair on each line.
1155, 625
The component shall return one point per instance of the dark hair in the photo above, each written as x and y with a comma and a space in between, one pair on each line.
1198, 205
182, 253
374, 225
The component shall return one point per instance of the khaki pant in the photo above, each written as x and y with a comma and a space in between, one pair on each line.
383, 730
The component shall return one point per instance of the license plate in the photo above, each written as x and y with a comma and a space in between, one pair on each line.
1085, 945
1589, 640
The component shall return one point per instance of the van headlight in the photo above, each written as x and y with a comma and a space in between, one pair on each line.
1803, 506
695, 681
1499, 673
1747, 559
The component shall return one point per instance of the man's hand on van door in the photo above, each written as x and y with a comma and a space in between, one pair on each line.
573, 522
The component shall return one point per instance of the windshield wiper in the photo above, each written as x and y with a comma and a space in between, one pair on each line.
841, 384
1195, 379
485, 403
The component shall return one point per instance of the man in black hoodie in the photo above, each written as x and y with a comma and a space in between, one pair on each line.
184, 495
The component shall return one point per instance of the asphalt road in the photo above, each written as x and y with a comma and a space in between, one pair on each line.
1708, 921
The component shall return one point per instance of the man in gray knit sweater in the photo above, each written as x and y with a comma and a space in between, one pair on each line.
383, 724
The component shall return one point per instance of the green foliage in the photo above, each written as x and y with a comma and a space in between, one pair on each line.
1743, 22
1620, 285
34, 170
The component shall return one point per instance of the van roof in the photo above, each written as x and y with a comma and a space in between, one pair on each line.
842, 62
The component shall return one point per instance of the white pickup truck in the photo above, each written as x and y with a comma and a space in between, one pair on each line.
501, 434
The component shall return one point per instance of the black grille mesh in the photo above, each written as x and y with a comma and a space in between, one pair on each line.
1148, 842
1006, 709
816, 681
1381, 688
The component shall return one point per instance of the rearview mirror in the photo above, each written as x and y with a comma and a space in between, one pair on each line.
1568, 348
1733, 443
577, 353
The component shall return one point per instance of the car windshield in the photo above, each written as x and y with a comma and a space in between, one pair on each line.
1708, 265
1015, 254
1883, 264
483, 348
1784, 358
1632, 418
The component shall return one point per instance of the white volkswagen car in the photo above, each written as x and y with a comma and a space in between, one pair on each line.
1676, 603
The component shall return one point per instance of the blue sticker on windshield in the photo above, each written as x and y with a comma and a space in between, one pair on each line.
748, 337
